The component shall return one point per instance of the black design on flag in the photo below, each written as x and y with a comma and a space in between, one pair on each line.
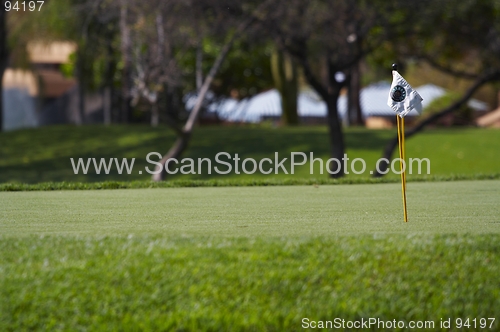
398, 93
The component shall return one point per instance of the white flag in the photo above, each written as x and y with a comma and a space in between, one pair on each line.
402, 98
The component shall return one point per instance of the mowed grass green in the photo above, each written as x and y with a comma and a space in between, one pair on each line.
469, 206
248, 258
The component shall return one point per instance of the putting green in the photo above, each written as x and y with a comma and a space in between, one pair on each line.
433, 207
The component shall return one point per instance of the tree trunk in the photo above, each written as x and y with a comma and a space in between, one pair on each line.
80, 73
175, 152
391, 145
330, 94
172, 102
199, 65
354, 113
335, 134
155, 115
108, 82
284, 71
126, 72
107, 105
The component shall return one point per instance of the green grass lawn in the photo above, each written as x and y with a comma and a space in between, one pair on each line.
248, 258
41, 155
252, 254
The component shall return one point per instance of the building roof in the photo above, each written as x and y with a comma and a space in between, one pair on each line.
52, 53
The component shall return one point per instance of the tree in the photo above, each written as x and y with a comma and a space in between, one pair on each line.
329, 39
216, 13
456, 36
246, 70
154, 66
354, 111
4, 54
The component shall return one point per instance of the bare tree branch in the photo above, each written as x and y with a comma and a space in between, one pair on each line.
447, 69
193, 116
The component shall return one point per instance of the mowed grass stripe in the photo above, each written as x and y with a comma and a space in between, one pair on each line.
436, 207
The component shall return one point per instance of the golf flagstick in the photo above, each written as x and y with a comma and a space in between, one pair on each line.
402, 99
402, 162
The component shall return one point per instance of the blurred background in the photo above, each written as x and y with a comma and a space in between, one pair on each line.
122, 78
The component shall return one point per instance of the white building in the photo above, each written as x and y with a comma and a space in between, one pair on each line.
373, 99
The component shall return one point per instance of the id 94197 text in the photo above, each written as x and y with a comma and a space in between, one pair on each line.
23, 6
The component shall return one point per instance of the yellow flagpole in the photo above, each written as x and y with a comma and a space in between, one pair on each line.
401, 141
404, 158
